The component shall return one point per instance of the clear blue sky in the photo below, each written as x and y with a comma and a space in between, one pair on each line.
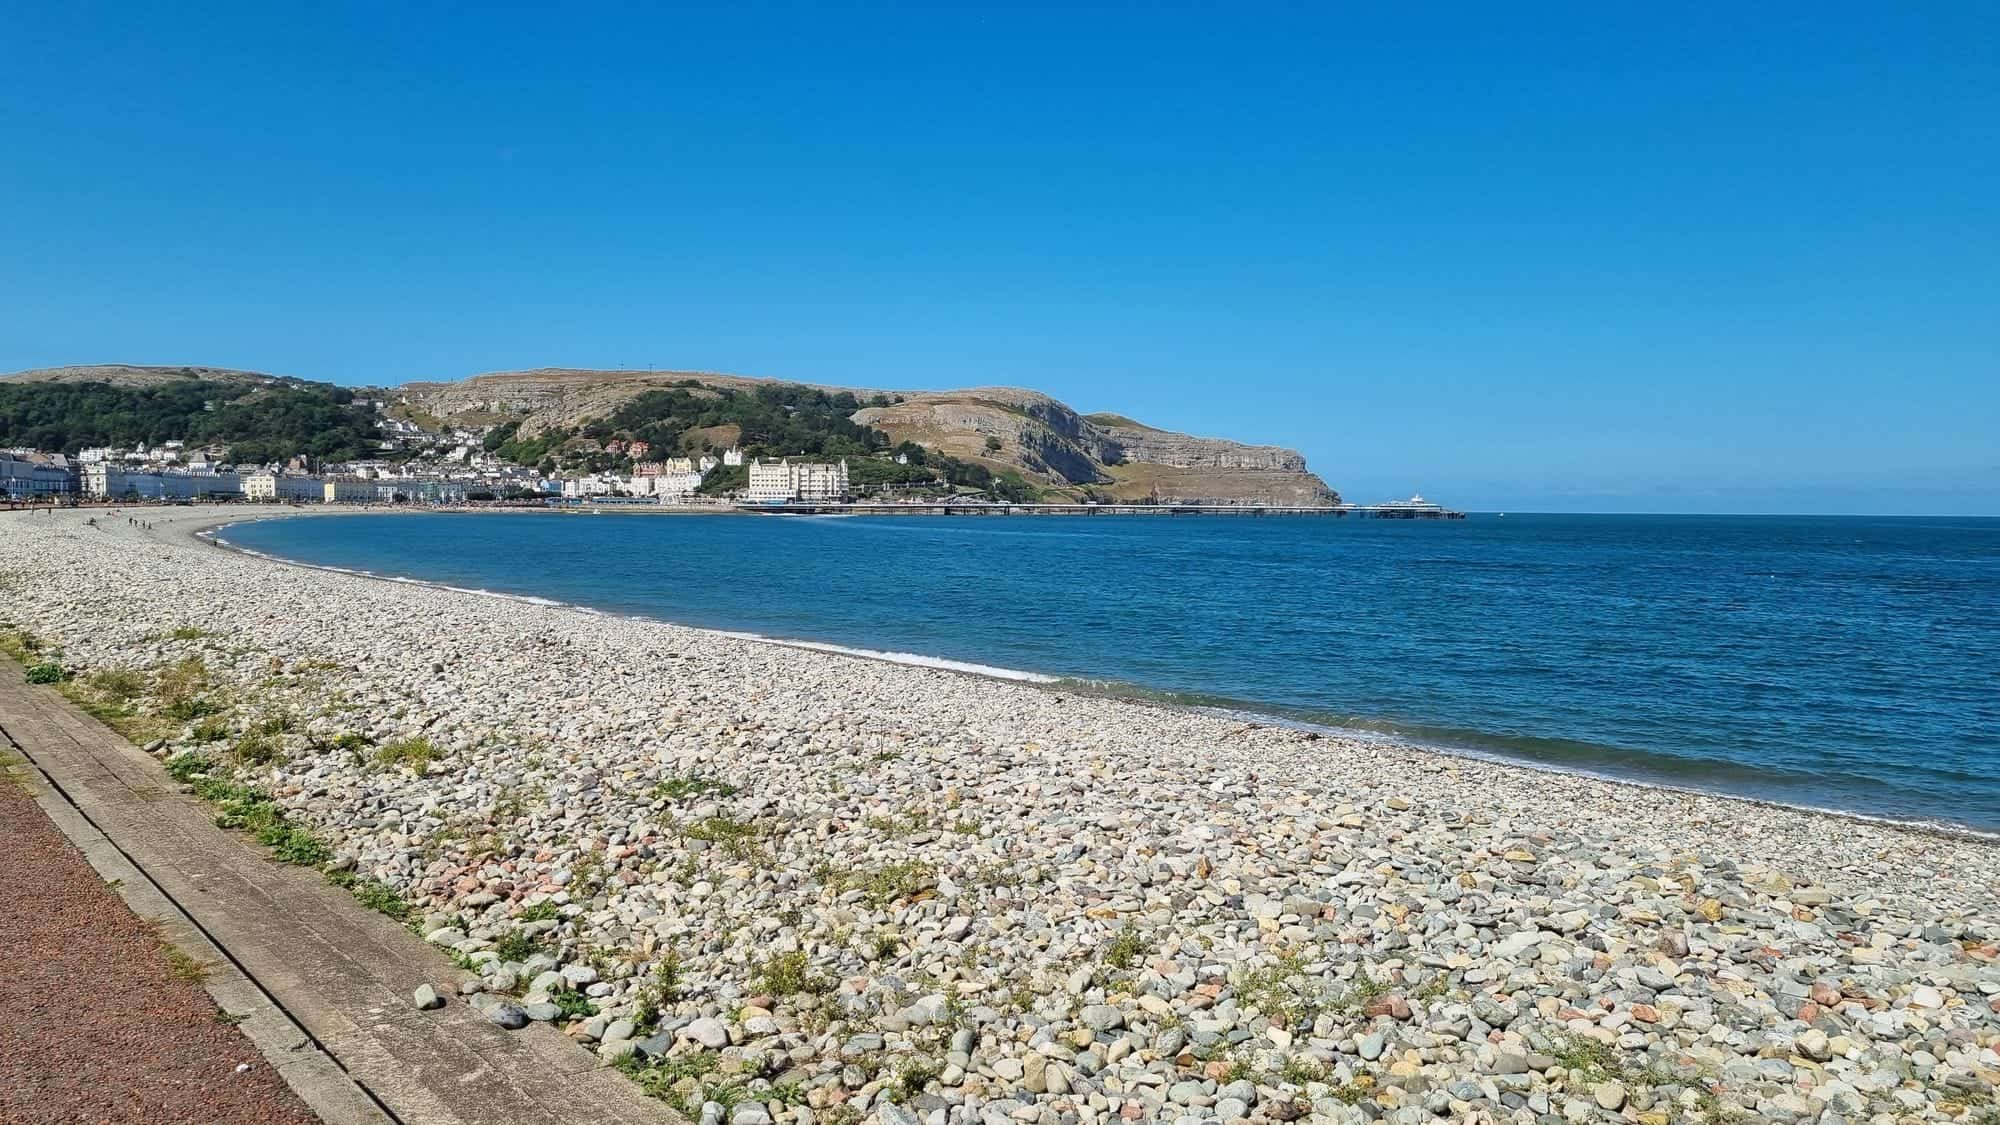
1598, 257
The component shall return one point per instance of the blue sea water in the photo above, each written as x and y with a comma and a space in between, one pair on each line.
1848, 663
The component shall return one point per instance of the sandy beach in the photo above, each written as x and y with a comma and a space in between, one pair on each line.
789, 885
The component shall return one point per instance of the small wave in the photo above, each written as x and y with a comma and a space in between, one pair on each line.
913, 659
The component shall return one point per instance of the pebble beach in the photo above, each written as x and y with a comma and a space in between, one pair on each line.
783, 885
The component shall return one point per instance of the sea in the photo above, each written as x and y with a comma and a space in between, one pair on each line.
1844, 663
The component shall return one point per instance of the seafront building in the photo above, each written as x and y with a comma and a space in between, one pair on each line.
349, 490
28, 474
274, 486
670, 487
778, 482
419, 490
114, 480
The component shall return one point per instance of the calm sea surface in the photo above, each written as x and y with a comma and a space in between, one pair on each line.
1850, 663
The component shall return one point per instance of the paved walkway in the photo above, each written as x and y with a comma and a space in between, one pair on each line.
327, 981
101, 1023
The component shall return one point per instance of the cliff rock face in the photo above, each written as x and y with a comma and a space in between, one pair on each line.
1052, 444
1183, 452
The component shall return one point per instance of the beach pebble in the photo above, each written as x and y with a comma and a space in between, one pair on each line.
926, 898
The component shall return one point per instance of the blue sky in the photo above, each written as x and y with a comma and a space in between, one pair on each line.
1591, 257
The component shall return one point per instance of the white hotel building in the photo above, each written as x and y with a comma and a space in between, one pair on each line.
775, 482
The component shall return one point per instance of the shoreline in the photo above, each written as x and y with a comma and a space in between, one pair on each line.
207, 530
824, 889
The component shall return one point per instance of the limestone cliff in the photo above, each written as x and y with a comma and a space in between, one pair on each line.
1053, 445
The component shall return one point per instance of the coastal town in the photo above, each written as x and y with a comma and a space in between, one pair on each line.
457, 472
171, 472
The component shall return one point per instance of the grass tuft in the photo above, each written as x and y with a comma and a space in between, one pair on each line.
256, 749
516, 946
735, 837
682, 786
788, 974
415, 754
882, 886
574, 1004
183, 967
121, 684
1124, 951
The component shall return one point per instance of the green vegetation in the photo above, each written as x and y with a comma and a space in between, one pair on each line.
381, 898
883, 885
927, 467
111, 698
13, 771
681, 1082
183, 967
1300, 1070
913, 1076
575, 1005
190, 709
788, 974
1589, 1060
1352, 1093
246, 809
682, 786
1123, 951
119, 683
187, 633
665, 985
414, 753
543, 911
178, 689
735, 837
255, 423
188, 765
20, 644
776, 419
255, 749
535, 450
500, 435
209, 730
917, 820
516, 946
1283, 991
45, 672
725, 479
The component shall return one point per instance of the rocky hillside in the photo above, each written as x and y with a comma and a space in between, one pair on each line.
1048, 442
136, 375
1054, 445
1051, 445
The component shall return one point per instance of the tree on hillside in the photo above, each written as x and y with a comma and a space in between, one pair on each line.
255, 423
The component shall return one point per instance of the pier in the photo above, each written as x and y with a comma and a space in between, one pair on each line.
1396, 511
